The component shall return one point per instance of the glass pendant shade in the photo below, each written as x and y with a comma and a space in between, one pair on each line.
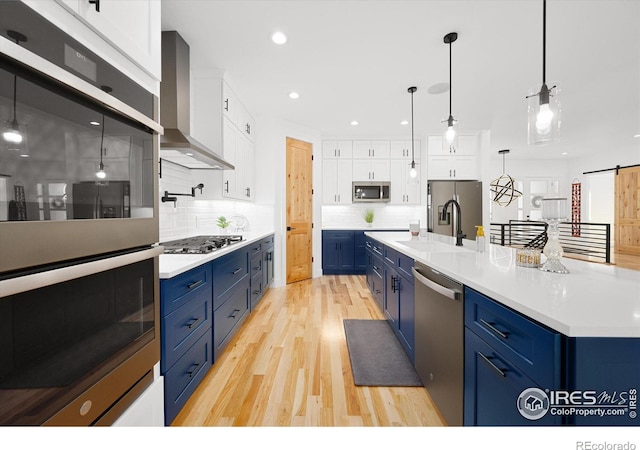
450, 135
544, 114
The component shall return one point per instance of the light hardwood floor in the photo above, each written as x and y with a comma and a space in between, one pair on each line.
289, 366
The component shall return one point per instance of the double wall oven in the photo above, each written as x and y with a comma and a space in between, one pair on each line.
79, 300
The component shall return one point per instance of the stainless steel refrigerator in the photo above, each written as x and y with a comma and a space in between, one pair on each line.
469, 196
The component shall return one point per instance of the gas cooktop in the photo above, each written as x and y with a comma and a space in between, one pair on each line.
200, 244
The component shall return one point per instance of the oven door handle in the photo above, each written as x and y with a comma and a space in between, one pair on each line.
26, 283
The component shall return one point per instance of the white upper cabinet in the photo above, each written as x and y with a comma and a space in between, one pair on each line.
403, 150
371, 169
132, 27
460, 163
337, 149
221, 129
404, 189
371, 149
336, 180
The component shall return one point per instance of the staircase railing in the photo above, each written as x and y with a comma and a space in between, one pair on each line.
580, 239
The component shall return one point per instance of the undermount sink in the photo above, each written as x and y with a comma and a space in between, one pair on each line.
432, 246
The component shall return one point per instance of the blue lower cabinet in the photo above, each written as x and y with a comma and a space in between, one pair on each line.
338, 252
229, 316
185, 335
493, 386
605, 372
181, 380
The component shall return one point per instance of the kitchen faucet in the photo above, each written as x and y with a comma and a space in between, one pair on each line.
459, 234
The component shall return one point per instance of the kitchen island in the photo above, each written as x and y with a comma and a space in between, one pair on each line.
539, 348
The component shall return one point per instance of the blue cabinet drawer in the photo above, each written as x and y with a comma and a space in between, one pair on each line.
256, 265
534, 349
376, 247
492, 388
255, 248
182, 327
227, 271
227, 316
390, 255
185, 375
180, 289
404, 265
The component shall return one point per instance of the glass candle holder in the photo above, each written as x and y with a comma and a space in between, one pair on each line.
554, 211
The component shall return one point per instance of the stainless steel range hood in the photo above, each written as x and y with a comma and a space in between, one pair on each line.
177, 145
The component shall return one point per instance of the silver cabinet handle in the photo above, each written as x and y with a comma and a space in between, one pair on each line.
487, 359
493, 329
449, 293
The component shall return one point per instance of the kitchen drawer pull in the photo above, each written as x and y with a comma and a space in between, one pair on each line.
192, 322
194, 369
195, 284
96, 3
233, 313
226, 104
237, 270
394, 286
489, 325
488, 359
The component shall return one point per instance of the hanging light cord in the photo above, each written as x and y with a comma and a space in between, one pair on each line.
450, 82
544, 41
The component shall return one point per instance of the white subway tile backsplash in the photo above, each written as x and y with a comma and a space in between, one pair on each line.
191, 216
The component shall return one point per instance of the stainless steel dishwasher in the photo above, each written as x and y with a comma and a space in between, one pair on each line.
439, 330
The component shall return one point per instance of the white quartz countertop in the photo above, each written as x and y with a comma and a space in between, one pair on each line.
175, 264
592, 300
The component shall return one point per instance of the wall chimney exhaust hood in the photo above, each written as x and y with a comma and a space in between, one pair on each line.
177, 145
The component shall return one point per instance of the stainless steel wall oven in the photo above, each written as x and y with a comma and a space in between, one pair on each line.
79, 315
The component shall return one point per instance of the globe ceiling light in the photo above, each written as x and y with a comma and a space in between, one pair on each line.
544, 102
503, 188
450, 134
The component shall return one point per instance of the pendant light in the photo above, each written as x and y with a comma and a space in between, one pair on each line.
413, 172
101, 174
14, 134
503, 188
544, 102
450, 134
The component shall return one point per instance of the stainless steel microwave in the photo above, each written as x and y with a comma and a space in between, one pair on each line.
371, 191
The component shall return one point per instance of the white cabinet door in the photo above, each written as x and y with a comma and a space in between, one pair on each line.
370, 170
404, 189
336, 181
435, 146
337, 149
371, 149
230, 105
403, 150
133, 27
229, 185
249, 171
462, 167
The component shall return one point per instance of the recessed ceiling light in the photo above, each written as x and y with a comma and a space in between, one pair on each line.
565, 153
354, 122
636, 135
279, 37
438, 88
94, 123
189, 154
404, 122
294, 95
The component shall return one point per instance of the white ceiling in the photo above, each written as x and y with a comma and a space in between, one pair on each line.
354, 60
